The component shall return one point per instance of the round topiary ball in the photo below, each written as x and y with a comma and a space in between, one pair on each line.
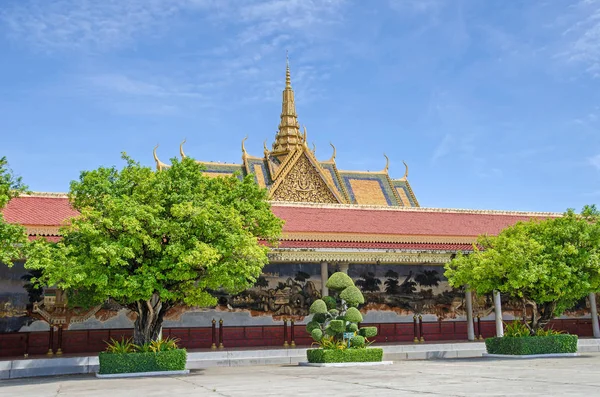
312, 325
334, 312
352, 296
353, 315
339, 281
318, 306
317, 334
357, 341
352, 327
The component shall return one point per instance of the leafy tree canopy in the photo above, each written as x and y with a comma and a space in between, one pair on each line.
150, 240
546, 264
12, 237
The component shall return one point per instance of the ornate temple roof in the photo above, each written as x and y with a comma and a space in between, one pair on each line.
292, 173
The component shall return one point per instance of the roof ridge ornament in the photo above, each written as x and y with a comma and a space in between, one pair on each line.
244, 154
181, 148
159, 164
266, 151
387, 164
406, 170
332, 159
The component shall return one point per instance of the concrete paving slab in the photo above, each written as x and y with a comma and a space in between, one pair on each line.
453, 377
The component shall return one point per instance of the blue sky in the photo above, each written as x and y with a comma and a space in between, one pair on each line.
493, 104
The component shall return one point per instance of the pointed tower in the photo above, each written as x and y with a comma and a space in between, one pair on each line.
288, 136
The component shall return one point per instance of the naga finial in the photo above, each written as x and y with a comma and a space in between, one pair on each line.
387, 163
181, 149
266, 149
332, 159
244, 154
304, 137
159, 164
406, 170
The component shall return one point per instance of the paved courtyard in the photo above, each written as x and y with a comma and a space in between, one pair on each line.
458, 377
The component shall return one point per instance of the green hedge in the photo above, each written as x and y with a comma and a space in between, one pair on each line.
344, 356
532, 345
117, 363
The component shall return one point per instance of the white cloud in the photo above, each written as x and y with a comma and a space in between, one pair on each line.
583, 36
112, 24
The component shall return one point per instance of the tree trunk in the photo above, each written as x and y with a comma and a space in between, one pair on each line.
541, 314
150, 314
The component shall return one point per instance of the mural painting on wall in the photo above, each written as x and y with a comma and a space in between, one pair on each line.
282, 290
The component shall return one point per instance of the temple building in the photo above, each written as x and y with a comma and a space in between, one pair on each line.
366, 224
292, 173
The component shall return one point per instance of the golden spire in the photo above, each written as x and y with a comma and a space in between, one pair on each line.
288, 135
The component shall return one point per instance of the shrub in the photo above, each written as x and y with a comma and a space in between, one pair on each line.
352, 327
318, 307
161, 345
311, 326
352, 296
334, 312
316, 334
357, 341
344, 356
120, 347
368, 332
337, 326
320, 317
353, 315
516, 329
532, 345
330, 302
339, 281
118, 363
547, 332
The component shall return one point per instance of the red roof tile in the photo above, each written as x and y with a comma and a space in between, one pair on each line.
370, 245
39, 211
400, 222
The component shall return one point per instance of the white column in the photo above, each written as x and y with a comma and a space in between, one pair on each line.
594, 311
470, 327
498, 313
324, 277
344, 267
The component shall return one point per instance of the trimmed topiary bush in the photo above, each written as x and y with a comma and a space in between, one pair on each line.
528, 345
318, 307
353, 315
357, 341
335, 330
119, 363
368, 332
339, 281
337, 326
344, 356
312, 325
352, 296
330, 302
317, 334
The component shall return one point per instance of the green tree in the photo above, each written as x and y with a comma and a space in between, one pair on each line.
151, 240
12, 237
548, 265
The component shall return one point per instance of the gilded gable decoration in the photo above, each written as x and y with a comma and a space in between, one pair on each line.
303, 183
291, 171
